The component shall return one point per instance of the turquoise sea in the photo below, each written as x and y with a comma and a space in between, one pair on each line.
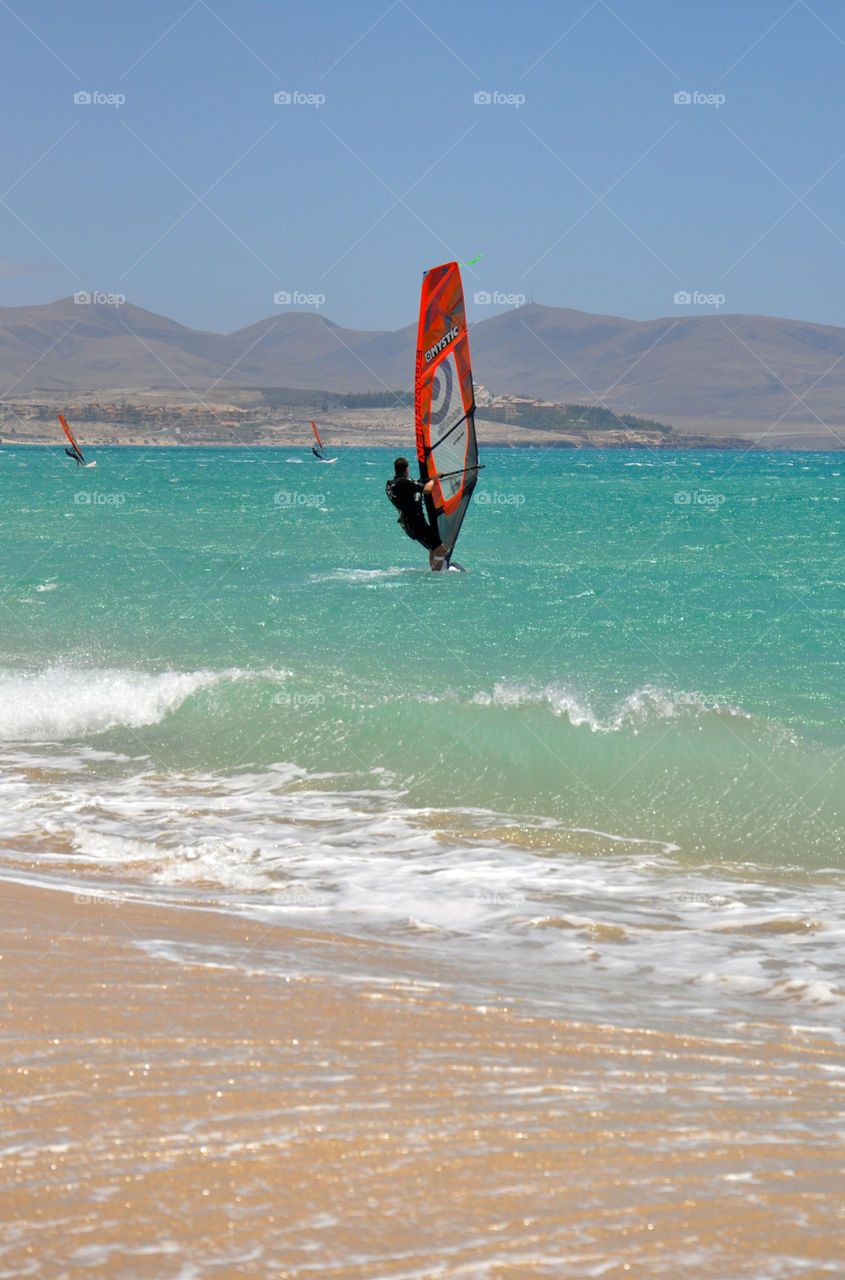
607, 760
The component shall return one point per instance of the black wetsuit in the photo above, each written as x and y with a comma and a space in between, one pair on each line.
406, 496
77, 459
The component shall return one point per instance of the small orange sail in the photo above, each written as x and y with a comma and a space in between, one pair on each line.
76, 449
318, 452
319, 449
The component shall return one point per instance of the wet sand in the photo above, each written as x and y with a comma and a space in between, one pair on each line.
315, 1106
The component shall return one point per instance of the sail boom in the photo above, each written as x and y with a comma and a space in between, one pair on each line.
437, 443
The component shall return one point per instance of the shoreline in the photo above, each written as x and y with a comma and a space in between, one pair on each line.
247, 422
715, 444
190, 1092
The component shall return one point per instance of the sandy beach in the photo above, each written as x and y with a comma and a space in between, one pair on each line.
189, 1094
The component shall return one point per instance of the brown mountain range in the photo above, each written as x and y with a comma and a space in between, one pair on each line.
771, 377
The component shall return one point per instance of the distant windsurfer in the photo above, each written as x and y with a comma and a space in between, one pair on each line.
406, 496
74, 451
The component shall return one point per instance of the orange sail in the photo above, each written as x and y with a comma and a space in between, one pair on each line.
317, 434
69, 435
444, 401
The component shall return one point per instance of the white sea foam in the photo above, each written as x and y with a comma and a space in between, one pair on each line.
517, 892
62, 702
643, 705
360, 575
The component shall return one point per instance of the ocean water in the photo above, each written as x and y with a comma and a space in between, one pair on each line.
603, 766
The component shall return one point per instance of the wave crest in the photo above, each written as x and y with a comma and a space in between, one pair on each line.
65, 702
646, 705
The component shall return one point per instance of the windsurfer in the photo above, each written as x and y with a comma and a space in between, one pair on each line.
75, 457
406, 496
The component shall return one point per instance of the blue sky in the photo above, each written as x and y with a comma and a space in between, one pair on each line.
201, 198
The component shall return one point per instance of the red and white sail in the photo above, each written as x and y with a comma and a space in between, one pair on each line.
444, 402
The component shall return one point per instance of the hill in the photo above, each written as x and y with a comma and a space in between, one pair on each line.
750, 375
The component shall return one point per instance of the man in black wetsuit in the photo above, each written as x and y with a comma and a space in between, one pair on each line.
406, 495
